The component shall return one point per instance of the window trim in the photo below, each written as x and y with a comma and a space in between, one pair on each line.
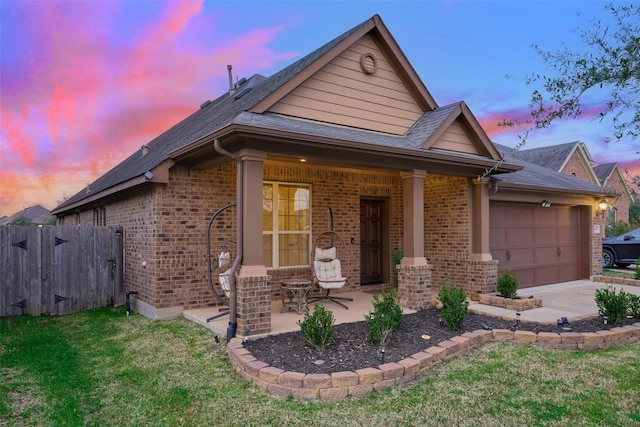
276, 233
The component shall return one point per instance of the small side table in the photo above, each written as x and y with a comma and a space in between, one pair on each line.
294, 294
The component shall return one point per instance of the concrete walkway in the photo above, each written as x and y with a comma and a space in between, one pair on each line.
574, 300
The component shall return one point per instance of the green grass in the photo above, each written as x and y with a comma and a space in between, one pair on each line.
102, 368
617, 273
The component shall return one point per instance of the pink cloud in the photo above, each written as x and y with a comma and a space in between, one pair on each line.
86, 101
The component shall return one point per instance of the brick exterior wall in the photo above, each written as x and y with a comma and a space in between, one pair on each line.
616, 184
447, 233
575, 167
165, 228
341, 189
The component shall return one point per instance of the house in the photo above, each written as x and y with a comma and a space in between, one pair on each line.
37, 214
347, 138
610, 176
573, 159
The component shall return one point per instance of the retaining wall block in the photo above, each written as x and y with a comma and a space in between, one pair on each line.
291, 379
369, 375
316, 381
344, 379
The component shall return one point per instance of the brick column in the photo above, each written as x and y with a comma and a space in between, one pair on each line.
414, 286
482, 277
254, 305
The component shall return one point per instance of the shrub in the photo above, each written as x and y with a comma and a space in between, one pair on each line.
454, 305
633, 303
637, 276
317, 328
507, 284
386, 317
611, 304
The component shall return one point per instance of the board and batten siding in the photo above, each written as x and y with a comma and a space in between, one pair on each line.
342, 93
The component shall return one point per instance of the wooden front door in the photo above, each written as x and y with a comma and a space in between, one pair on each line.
371, 241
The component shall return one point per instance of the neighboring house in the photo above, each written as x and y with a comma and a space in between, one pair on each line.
574, 159
349, 127
610, 176
37, 214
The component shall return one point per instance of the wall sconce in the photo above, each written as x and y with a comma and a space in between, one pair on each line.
546, 204
603, 205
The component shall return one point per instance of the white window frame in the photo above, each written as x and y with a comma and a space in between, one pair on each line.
275, 229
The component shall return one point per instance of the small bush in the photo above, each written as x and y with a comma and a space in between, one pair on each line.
637, 275
633, 305
386, 317
611, 304
317, 328
507, 284
454, 305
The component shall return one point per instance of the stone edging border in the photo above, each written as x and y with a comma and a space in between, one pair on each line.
340, 385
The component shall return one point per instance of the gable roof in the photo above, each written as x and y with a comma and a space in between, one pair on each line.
603, 172
536, 177
37, 214
606, 171
244, 109
552, 157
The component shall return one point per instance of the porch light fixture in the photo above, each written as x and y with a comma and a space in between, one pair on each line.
603, 205
546, 204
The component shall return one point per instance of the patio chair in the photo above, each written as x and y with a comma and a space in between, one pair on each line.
330, 258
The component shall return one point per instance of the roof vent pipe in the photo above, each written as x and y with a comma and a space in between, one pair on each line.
233, 304
145, 150
231, 89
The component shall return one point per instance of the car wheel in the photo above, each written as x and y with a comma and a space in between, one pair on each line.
607, 258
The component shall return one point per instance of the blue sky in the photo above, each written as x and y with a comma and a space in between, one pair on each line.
86, 83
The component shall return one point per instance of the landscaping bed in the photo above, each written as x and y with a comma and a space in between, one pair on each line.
351, 350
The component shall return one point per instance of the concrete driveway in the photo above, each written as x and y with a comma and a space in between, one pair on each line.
573, 300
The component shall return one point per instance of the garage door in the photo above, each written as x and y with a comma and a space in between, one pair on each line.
540, 244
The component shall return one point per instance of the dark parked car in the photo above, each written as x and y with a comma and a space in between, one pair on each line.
622, 250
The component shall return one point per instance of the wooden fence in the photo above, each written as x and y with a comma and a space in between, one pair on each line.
59, 270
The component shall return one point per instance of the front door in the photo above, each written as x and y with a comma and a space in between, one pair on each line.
371, 241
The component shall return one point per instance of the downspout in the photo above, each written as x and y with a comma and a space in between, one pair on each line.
233, 303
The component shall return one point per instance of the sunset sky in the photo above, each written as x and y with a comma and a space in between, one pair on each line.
85, 83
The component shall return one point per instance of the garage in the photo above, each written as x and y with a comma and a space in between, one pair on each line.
540, 244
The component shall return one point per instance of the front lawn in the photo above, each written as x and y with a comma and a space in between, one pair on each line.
102, 368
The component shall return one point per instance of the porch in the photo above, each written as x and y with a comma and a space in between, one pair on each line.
286, 321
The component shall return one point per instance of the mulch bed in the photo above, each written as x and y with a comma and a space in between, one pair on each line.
352, 350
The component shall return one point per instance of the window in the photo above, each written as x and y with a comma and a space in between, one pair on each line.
100, 217
286, 216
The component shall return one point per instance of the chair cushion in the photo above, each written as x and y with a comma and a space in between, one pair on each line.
325, 254
329, 274
223, 259
225, 282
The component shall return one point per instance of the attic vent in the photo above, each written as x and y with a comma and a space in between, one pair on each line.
145, 150
205, 103
368, 63
241, 81
242, 93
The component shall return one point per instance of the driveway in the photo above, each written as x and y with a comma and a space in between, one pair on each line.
573, 300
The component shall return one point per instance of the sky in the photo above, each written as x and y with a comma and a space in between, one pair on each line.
83, 84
